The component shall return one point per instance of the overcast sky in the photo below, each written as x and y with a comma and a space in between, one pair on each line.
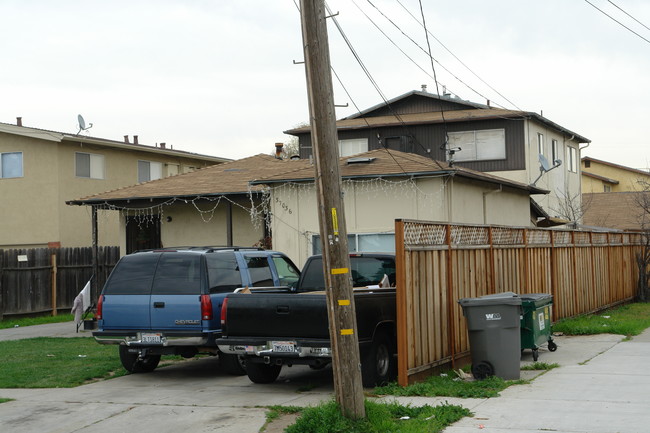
217, 76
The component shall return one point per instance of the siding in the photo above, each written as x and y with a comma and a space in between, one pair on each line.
427, 140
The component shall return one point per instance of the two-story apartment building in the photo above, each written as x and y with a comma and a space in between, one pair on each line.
604, 176
40, 170
505, 143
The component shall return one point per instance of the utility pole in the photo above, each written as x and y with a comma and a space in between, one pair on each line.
333, 233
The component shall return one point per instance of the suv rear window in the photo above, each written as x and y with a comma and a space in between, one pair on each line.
132, 275
178, 273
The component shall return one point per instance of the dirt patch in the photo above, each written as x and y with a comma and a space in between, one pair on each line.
280, 423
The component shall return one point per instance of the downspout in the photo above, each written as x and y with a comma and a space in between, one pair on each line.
485, 194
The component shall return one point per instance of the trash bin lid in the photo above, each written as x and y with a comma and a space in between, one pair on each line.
505, 298
536, 299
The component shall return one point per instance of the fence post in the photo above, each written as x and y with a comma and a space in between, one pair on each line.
54, 271
2, 266
402, 320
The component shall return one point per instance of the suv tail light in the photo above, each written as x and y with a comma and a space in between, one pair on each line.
100, 304
206, 307
223, 312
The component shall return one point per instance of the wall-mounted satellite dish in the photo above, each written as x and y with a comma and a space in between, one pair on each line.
545, 166
82, 124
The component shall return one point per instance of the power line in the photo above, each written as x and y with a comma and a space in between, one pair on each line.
615, 20
620, 9
459, 60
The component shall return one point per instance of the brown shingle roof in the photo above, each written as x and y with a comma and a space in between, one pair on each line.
227, 178
618, 210
392, 163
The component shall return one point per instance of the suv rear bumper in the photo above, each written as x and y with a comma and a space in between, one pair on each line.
134, 338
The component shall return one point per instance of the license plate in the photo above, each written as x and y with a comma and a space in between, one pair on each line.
151, 338
284, 346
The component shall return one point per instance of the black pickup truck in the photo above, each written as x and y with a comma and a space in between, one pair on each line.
272, 328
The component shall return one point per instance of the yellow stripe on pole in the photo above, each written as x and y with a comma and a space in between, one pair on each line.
336, 271
335, 222
344, 302
347, 331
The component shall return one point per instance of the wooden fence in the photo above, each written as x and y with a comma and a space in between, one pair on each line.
45, 280
438, 264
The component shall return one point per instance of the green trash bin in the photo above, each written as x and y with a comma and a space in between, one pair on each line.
536, 322
493, 325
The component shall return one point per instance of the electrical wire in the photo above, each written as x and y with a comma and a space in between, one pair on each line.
459, 60
615, 20
620, 9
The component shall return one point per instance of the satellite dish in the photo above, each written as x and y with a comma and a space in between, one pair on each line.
82, 124
543, 162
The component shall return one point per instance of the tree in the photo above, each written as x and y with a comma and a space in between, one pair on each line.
571, 207
642, 200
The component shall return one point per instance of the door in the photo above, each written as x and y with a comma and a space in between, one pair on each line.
142, 233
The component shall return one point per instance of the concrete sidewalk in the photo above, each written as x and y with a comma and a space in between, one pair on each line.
63, 329
603, 385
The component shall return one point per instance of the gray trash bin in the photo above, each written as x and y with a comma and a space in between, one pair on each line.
493, 322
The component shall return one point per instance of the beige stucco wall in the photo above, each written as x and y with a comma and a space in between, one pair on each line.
373, 207
207, 224
33, 210
560, 181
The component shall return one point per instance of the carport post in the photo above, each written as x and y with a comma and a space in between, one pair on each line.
94, 290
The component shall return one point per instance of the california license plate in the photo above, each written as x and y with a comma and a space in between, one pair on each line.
151, 338
284, 346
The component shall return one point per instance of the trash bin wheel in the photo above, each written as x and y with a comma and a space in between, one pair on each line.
535, 354
552, 346
482, 370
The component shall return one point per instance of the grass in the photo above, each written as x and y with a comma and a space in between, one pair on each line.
56, 362
29, 321
628, 320
540, 366
4, 400
380, 418
449, 385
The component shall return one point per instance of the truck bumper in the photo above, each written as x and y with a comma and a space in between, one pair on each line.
276, 348
154, 338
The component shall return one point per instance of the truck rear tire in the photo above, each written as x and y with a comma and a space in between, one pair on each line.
262, 373
232, 364
378, 366
132, 364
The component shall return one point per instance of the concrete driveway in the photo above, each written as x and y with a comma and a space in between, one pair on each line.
603, 385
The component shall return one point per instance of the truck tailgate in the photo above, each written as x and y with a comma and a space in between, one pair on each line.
276, 315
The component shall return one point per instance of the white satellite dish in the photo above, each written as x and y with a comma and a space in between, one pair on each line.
543, 162
545, 167
82, 124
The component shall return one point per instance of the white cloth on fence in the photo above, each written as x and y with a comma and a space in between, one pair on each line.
81, 303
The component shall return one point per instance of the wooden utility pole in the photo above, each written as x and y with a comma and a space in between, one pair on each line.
336, 261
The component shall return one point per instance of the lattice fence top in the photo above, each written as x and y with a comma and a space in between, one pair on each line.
507, 236
538, 237
433, 234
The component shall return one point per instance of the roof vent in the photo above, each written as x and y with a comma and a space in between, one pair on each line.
19, 121
360, 160
424, 88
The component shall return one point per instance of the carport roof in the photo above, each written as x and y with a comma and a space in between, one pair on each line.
228, 178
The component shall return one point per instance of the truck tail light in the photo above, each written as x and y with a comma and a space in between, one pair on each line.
100, 304
206, 307
223, 312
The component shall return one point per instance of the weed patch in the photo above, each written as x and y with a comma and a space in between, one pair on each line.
540, 366
380, 418
631, 319
447, 385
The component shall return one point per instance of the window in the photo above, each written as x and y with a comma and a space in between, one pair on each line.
365, 271
149, 170
554, 151
353, 146
223, 272
178, 274
587, 163
540, 144
89, 165
607, 188
572, 157
11, 164
133, 275
287, 272
363, 242
478, 145
259, 271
